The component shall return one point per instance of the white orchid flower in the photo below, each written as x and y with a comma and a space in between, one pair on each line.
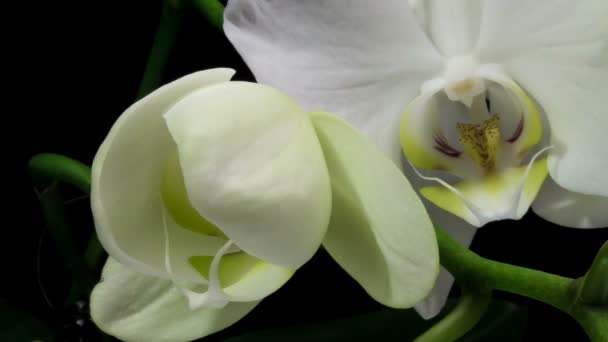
475, 92
208, 194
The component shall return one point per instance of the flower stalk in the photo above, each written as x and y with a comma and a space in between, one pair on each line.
469, 311
47, 171
212, 10
594, 286
470, 269
164, 40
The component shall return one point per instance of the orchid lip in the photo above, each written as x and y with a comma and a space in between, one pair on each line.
214, 296
481, 217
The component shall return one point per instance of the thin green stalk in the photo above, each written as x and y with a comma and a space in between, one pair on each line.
470, 269
468, 312
51, 201
592, 297
93, 252
594, 320
212, 10
46, 168
46, 171
164, 40
594, 287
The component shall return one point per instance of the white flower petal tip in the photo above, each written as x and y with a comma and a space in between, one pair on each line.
435, 301
379, 232
252, 166
505, 195
135, 307
570, 209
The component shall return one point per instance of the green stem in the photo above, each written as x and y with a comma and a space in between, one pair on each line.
472, 270
51, 201
594, 287
164, 40
592, 297
46, 170
468, 312
212, 10
94, 252
594, 319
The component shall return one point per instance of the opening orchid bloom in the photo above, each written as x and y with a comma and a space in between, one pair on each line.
208, 194
497, 105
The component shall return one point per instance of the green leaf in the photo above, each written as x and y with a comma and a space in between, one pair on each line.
504, 321
19, 325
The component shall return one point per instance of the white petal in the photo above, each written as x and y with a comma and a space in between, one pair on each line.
136, 307
379, 231
557, 51
462, 232
354, 58
453, 26
570, 209
126, 181
253, 167
458, 229
575, 104
558, 28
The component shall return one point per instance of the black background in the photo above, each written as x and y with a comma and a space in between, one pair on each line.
78, 66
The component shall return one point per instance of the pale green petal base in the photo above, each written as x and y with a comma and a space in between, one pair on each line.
136, 307
244, 277
379, 231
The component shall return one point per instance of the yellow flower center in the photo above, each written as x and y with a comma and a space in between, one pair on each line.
481, 141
